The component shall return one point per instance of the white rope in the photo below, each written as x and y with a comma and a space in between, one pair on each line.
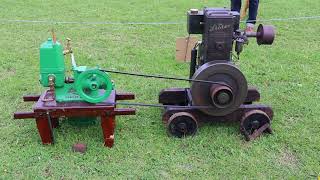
88, 23
144, 23
287, 19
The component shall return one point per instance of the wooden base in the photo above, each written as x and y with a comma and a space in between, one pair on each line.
47, 114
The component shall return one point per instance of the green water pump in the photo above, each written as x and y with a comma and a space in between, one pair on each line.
87, 84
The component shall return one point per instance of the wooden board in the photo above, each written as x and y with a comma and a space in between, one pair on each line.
184, 46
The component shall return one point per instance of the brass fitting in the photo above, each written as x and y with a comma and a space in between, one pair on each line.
51, 80
68, 48
50, 96
54, 37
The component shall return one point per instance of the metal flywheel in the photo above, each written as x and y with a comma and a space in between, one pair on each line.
94, 86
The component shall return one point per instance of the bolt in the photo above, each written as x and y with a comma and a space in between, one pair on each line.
93, 77
182, 127
223, 98
94, 86
255, 124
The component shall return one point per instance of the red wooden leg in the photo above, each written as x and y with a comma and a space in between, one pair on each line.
54, 122
108, 125
44, 130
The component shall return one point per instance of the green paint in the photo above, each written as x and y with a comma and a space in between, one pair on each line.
52, 63
88, 82
82, 121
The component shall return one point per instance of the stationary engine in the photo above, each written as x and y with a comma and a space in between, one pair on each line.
211, 61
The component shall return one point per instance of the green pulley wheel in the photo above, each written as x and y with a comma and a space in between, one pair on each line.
94, 86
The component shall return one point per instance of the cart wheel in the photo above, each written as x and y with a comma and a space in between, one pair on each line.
254, 123
182, 124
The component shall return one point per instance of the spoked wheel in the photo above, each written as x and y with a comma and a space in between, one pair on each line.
94, 86
182, 124
254, 123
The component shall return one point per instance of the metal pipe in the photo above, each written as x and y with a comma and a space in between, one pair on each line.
73, 61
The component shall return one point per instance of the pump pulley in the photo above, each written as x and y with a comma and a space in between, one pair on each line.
94, 85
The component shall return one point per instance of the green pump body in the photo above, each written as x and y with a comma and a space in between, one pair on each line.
52, 63
90, 84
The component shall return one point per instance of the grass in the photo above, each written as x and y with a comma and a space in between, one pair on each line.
286, 74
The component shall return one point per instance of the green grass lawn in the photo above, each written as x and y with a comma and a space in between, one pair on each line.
287, 74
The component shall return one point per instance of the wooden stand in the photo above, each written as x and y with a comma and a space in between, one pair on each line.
47, 114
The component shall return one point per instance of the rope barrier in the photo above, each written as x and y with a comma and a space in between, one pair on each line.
88, 23
145, 23
287, 19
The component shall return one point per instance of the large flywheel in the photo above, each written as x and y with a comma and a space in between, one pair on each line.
225, 95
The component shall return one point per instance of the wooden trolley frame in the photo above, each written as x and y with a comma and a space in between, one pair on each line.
47, 114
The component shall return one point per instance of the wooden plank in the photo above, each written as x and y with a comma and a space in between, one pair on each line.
124, 96
124, 111
33, 98
108, 104
184, 46
23, 115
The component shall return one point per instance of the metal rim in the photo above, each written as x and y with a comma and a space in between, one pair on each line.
182, 124
252, 121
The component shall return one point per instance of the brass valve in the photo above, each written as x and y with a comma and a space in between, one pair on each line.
51, 80
50, 96
54, 37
